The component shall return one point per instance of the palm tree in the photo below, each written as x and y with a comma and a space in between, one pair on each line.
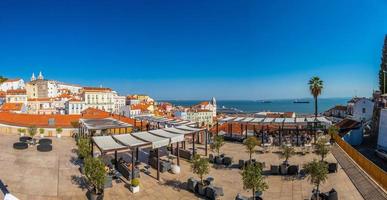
318, 173
252, 179
250, 143
315, 88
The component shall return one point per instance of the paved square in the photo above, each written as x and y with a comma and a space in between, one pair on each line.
30, 174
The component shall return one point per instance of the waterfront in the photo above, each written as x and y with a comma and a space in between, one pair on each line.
278, 105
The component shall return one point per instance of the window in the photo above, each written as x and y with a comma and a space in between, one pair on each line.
364, 110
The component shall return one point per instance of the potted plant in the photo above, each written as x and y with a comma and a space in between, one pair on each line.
250, 143
287, 152
41, 131
318, 173
21, 131
135, 185
59, 131
95, 174
215, 146
32, 132
333, 130
253, 180
83, 148
322, 149
201, 167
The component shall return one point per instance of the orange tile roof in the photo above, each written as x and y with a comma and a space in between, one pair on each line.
2, 94
20, 91
12, 80
204, 103
41, 99
96, 89
11, 107
27, 120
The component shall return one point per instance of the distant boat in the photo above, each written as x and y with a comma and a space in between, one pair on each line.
264, 101
301, 101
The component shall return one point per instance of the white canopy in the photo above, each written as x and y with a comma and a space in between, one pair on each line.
310, 119
189, 128
156, 141
107, 143
247, 119
300, 120
257, 120
268, 120
129, 140
289, 120
165, 134
279, 120
238, 119
227, 119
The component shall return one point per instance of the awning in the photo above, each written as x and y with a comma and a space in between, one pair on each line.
289, 120
165, 134
227, 119
238, 119
189, 128
310, 119
279, 120
129, 140
247, 119
268, 120
156, 141
107, 143
300, 120
101, 124
257, 120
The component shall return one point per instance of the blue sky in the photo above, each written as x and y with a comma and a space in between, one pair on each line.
196, 49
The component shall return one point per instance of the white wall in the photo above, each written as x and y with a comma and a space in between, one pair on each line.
363, 109
382, 137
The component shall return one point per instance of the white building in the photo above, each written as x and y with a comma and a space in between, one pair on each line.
41, 88
206, 105
74, 107
382, 137
98, 98
16, 96
12, 84
73, 89
119, 103
128, 111
202, 117
360, 109
180, 115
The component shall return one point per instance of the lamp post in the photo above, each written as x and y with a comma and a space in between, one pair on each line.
384, 81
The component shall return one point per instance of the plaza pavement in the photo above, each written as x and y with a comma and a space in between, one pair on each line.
30, 174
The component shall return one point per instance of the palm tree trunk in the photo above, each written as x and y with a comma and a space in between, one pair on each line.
315, 107
250, 157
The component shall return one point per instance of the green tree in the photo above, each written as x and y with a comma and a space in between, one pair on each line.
253, 180
315, 88
322, 149
59, 130
200, 166
383, 68
95, 173
20, 131
287, 152
250, 143
41, 131
2, 79
84, 147
332, 130
217, 144
317, 173
32, 130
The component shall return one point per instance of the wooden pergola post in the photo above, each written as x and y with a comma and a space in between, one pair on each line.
158, 164
115, 160
206, 142
246, 129
137, 153
132, 164
193, 143
217, 128
178, 154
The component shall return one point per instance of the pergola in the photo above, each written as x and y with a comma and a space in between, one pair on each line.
159, 122
283, 124
155, 139
88, 127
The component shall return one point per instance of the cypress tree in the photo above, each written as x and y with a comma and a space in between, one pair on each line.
383, 67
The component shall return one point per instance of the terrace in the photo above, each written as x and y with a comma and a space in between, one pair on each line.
55, 175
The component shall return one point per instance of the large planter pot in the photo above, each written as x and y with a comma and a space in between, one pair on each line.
175, 169
93, 196
134, 189
218, 160
41, 135
59, 135
201, 189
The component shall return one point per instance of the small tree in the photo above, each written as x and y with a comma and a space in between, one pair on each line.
200, 166
332, 130
83, 148
253, 180
217, 144
59, 130
20, 131
32, 131
321, 147
287, 152
95, 173
41, 131
318, 173
250, 143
